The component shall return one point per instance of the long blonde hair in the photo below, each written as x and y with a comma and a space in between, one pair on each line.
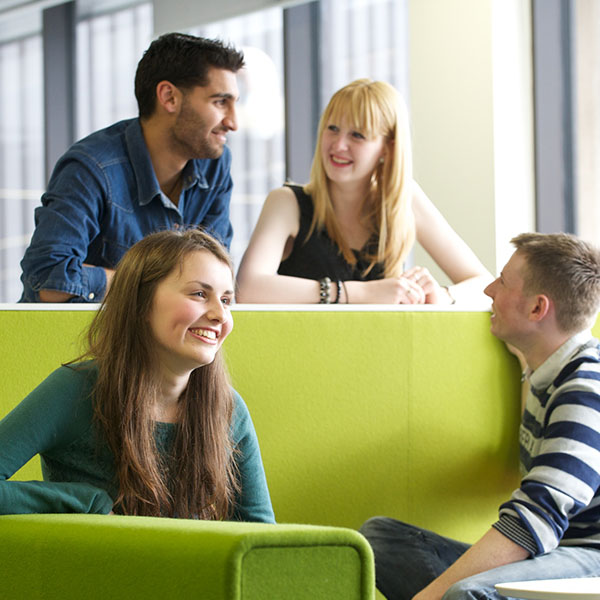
373, 108
203, 479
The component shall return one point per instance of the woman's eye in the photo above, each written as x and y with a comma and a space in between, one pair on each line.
333, 128
200, 294
358, 135
226, 300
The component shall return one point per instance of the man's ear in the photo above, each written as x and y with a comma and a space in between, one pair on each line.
540, 308
167, 96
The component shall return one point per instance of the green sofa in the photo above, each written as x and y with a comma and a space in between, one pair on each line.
95, 557
407, 413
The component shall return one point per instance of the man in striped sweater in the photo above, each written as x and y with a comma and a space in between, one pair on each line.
544, 304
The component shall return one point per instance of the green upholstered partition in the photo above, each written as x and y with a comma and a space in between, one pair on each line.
411, 414
95, 557
406, 414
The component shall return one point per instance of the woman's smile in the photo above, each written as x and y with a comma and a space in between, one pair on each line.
204, 334
191, 314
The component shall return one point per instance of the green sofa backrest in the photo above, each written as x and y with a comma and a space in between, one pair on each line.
410, 414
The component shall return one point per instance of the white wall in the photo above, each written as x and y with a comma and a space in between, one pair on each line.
472, 116
587, 47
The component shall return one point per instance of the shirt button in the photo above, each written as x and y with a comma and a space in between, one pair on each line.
91, 295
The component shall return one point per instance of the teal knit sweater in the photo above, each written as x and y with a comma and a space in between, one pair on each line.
56, 421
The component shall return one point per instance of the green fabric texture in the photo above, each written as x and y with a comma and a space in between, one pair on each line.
97, 557
358, 414
309, 572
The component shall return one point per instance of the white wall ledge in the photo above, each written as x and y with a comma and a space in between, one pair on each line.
463, 307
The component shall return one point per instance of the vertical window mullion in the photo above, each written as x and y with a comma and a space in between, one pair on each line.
554, 125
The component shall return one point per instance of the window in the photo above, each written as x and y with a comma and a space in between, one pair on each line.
257, 147
109, 47
21, 154
363, 38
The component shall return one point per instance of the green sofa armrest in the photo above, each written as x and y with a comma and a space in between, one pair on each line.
97, 557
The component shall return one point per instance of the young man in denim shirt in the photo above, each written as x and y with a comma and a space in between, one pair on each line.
169, 168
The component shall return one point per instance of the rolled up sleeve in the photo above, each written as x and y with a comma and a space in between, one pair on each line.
65, 225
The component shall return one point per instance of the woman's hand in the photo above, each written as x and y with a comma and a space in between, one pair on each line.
392, 290
434, 293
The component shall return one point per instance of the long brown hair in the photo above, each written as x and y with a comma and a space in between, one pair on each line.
373, 108
200, 478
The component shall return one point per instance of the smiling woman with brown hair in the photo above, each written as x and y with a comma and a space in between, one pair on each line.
150, 424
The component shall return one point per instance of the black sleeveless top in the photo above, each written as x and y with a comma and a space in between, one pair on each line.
320, 256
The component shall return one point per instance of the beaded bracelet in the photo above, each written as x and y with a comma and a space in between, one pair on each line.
325, 290
338, 284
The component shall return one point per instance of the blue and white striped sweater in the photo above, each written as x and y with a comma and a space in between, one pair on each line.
559, 498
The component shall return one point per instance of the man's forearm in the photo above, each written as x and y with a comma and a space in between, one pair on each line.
54, 296
492, 550
60, 296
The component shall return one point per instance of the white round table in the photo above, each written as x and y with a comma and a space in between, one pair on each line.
582, 588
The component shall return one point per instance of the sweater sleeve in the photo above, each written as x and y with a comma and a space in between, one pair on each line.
48, 419
254, 502
564, 474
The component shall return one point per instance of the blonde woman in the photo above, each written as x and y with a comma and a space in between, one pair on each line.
344, 237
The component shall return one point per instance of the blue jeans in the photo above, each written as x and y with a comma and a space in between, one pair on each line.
408, 558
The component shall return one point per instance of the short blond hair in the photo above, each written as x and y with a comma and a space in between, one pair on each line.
567, 270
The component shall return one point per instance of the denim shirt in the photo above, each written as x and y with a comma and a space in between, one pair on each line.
102, 198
